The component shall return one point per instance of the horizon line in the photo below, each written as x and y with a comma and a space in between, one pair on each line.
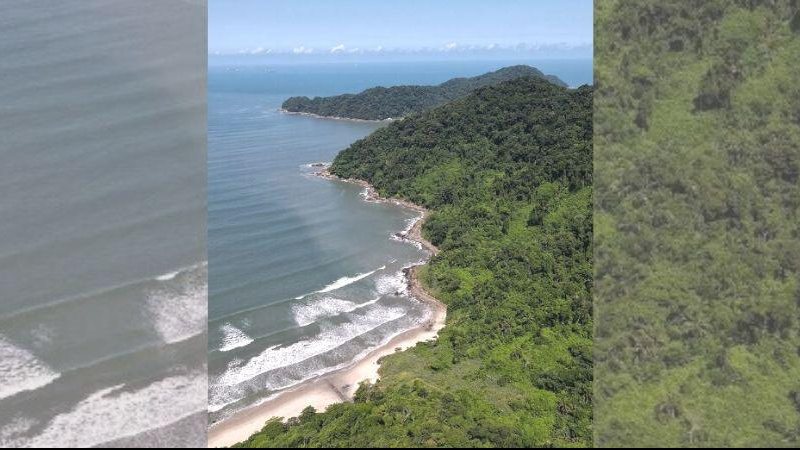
449, 48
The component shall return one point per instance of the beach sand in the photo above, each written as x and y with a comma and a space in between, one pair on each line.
339, 386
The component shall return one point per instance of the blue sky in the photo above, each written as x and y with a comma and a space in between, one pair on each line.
358, 27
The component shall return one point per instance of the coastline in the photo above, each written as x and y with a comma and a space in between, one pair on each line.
371, 195
318, 116
340, 385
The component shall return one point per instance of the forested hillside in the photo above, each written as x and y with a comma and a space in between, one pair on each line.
507, 174
697, 234
381, 103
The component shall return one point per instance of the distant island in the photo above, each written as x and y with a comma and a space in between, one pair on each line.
382, 103
506, 175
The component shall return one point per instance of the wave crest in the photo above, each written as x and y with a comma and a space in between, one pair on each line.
21, 371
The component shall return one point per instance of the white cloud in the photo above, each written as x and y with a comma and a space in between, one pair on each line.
379, 48
338, 49
450, 46
302, 50
261, 51
354, 50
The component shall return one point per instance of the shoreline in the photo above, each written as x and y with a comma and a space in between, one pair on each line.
371, 195
340, 385
319, 116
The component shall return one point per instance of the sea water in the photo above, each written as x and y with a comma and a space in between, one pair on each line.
102, 223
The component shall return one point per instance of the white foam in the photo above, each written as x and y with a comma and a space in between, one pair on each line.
319, 372
403, 235
168, 276
340, 283
276, 356
233, 337
110, 413
171, 275
214, 407
308, 313
410, 224
403, 238
42, 335
21, 371
222, 396
344, 281
10, 434
179, 312
17, 426
392, 284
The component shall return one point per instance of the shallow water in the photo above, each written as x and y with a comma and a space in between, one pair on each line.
103, 279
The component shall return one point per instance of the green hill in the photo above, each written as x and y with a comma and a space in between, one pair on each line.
380, 103
697, 233
507, 174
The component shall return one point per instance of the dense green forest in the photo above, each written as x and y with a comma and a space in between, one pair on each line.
380, 103
697, 234
507, 174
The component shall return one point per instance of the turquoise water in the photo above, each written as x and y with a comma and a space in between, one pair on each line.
304, 275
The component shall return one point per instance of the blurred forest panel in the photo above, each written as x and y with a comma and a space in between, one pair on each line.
697, 253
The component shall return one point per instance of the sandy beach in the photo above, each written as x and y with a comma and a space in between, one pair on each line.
339, 386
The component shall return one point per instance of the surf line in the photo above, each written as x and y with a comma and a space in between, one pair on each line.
340, 283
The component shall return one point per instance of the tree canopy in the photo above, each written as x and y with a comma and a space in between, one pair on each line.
697, 256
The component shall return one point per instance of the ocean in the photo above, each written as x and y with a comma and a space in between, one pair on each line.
103, 275
304, 274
